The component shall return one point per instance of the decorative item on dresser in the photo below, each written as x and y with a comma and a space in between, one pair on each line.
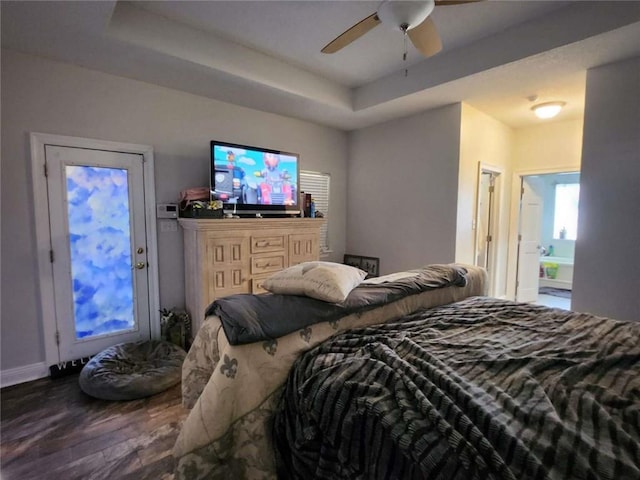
228, 256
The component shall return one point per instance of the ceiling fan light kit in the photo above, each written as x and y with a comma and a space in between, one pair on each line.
405, 15
548, 109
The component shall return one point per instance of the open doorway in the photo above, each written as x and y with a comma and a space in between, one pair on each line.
547, 230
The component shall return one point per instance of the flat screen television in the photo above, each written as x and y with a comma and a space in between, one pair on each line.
254, 180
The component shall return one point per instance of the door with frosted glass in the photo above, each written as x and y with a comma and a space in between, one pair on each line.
99, 248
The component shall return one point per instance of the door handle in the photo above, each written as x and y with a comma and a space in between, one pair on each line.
139, 265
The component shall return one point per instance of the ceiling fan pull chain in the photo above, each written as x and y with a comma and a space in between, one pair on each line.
404, 56
404, 28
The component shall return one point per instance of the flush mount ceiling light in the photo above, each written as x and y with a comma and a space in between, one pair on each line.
548, 109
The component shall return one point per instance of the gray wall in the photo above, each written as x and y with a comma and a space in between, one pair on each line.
40, 95
607, 260
403, 190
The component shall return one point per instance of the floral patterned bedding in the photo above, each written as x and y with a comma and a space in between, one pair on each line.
232, 390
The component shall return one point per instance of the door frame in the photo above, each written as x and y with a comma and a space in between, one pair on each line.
43, 233
514, 221
498, 172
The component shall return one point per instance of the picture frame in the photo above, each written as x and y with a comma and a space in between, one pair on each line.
352, 260
371, 265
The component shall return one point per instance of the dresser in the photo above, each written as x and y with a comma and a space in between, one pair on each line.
228, 256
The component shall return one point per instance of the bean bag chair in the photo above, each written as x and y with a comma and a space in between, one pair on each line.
132, 370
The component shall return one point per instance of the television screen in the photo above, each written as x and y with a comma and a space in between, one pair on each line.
254, 180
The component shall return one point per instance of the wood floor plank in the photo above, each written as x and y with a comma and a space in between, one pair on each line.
78, 469
40, 465
51, 429
124, 465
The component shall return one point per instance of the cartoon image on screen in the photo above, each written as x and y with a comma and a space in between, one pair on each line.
254, 177
276, 187
229, 178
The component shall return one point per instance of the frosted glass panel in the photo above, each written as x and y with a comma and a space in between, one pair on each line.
100, 242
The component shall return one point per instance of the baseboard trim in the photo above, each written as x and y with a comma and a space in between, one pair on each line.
13, 376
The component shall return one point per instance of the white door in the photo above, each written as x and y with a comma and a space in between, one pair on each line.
99, 248
484, 222
487, 227
529, 244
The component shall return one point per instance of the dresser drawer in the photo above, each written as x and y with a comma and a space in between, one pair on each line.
256, 284
270, 243
272, 263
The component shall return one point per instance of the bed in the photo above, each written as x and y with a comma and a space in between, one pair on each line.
434, 381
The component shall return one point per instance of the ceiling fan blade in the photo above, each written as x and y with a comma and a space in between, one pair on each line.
442, 3
352, 34
425, 38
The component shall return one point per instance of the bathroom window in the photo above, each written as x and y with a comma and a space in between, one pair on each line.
565, 225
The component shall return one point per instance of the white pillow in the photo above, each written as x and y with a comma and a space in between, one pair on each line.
326, 281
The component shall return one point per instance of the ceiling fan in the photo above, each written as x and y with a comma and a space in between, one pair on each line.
411, 17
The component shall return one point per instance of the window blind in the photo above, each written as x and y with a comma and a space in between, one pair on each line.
317, 184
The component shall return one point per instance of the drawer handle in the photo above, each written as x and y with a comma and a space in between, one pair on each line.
263, 244
265, 265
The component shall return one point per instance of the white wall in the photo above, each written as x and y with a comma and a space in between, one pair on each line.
51, 97
403, 182
607, 260
483, 140
548, 146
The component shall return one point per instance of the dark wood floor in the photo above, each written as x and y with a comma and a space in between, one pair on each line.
51, 430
